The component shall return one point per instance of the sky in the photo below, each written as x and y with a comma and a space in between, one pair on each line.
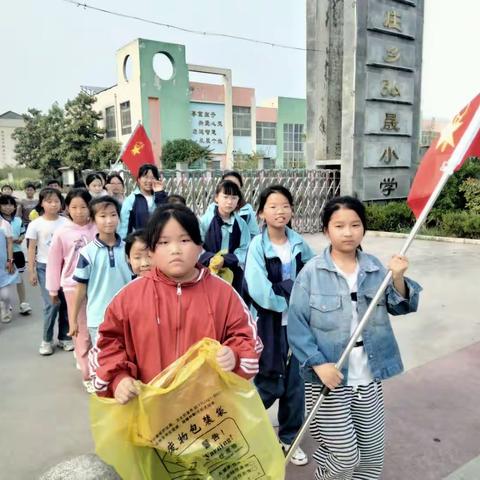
50, 47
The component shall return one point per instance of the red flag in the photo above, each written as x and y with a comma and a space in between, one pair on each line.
138, 151
458, 141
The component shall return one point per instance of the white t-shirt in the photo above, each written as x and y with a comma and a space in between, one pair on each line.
358, 370
42, 231
284, 253
6, 227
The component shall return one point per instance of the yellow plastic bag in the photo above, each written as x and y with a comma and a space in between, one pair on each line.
223, 272
193, 421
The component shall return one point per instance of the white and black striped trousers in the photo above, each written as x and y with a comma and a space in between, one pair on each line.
350, 429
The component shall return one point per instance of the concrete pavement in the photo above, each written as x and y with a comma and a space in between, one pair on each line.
432, 415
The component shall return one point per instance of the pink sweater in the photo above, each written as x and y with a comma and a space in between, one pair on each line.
63, 255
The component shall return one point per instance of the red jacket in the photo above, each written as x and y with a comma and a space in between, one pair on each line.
153, 321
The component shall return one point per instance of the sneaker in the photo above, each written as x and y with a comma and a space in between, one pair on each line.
46, 348
5, 313
89, 387
25, 308
299, 457
66, 345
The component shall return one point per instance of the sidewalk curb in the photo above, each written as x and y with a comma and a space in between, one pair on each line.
470, 241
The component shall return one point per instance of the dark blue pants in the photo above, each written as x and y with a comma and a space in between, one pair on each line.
290, 392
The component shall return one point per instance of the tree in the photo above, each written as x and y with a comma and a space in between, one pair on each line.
183, 151
81, 131
103, 153
29, 139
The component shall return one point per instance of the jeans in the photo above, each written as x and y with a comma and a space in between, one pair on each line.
50, 310
291, 394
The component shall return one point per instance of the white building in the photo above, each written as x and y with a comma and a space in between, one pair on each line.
9, 121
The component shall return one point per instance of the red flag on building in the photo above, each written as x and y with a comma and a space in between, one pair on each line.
458, 141
137, 151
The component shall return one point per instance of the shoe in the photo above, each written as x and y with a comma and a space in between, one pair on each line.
66, 345
25, 308
46, 348
299, 457
89, 387
5, 313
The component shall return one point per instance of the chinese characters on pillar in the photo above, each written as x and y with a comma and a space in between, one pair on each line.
208, 126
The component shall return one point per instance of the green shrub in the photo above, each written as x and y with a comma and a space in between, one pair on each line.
471, 191
389, 217
461, 224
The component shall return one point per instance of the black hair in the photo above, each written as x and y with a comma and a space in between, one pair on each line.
183, 215
103, 176
44, 194
115, 175
6, 186
79, 184
347, 202
95, 205
269, 191
137, 235
30, 185
230, 188
78, 193
176, 199
148, 167
8, 200
233, 173
53, 180
93, 176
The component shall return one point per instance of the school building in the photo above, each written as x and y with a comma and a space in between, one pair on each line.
154, 88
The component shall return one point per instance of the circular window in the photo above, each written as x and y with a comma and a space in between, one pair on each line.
163, 66
127, 68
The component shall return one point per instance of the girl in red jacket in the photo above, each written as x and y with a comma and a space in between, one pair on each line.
156, 318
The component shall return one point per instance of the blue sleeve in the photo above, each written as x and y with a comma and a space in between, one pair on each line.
252, 222
160, 197
127, 206
307, 252
398, 305
204, 222
83, 270
300, 336
259, 286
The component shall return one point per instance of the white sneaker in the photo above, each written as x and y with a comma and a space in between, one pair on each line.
299, 457
46, 348
89, 387
66, 345
25, 308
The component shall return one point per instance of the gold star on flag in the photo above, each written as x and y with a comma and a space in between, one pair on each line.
446, 137
137, 148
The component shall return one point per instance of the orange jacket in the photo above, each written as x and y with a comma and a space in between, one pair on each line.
153, 321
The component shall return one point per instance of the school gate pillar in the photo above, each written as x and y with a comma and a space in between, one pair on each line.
364, 64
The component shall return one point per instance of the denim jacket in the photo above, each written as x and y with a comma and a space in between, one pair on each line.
320, 314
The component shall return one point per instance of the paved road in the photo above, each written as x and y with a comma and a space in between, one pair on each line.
433, 420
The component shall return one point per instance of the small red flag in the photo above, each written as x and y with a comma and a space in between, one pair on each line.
138, 151
457, 142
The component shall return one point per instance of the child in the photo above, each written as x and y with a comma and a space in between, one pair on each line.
8, 207
8, 277
94, 183
178, 199
39, 235
102, 269
274, 260
245, 210
329, 298
27, 204
159, 316
137, 253
142, 202
62, 261
224, 231
116, 187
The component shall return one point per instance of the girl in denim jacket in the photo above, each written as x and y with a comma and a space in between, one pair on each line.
329, 298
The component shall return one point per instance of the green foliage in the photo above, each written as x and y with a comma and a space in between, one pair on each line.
461, 224
103, 153
471, 191
66, 137
183, 151
243, 161
391, 217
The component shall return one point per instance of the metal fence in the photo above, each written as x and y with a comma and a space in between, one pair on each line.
311, 189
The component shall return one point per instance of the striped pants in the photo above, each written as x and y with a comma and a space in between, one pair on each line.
350, 429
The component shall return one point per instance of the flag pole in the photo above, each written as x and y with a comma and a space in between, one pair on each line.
448, 169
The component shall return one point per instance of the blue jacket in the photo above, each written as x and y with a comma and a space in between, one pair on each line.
269, 295
320, 316
135, 212
246, 213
